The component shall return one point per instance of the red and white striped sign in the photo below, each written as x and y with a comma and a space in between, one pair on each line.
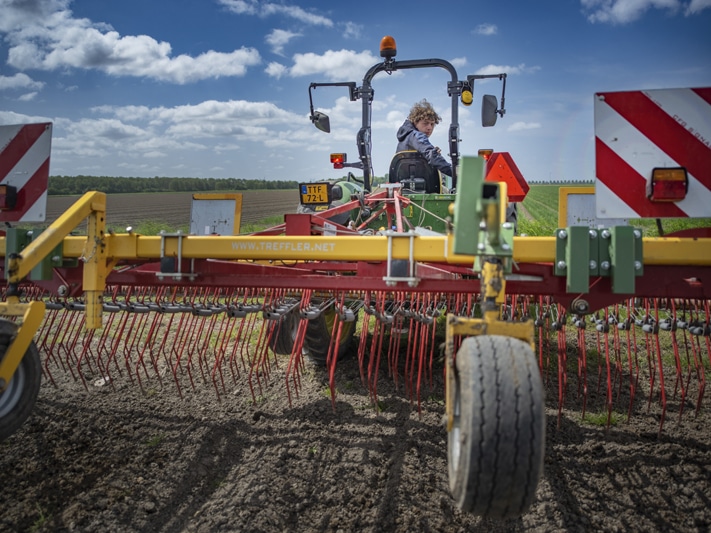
637, 131
24, 164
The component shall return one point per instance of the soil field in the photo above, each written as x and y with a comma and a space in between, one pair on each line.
173, 209
126, 459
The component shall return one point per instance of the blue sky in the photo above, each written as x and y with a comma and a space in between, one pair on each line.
219, 88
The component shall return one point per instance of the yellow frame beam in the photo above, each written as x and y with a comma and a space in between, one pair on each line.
437, 249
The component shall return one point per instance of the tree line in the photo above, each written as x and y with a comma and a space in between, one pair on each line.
73, 185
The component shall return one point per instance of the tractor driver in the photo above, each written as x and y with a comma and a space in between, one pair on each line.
415, 132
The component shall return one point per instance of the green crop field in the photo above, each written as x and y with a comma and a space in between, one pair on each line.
538, 215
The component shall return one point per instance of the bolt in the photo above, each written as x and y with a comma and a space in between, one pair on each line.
62, 290
605, 234
581, 306
561, 265
637, 265
505, 247
562, 234
593, 234
481, 246
593, 264
637, 234
605, 265
482, 225
29, 233
56, 258
507, 225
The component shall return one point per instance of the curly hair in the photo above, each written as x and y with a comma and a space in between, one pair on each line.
423, 110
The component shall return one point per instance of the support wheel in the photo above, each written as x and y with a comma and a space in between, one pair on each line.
18, 399
496, 446
318, 337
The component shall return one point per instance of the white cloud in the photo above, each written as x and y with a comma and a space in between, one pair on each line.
486, 29
510, 70
265, 9
625, 11
19, 81
697, 6
334, 65
351, 30
277, 39
27, 97
43, 34
275, 70
520, 126
458, 62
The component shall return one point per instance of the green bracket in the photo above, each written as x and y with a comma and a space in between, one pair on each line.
478, 228
17, 239
582, 252
626, 258
576, 257
467, 204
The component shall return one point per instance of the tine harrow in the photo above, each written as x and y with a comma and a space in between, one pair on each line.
214, 337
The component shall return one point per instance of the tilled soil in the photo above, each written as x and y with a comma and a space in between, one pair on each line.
128, 459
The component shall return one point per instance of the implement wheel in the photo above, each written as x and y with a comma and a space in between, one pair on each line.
282, 333
496, 445
18, 399
318, 337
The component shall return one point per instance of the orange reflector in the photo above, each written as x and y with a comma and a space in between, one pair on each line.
486, 153
388, 48
668, 185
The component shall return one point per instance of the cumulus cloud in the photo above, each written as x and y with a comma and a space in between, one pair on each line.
486, 29
44, 34
351, 30
626, 11
266, 9
697, 6
508, 69
19, 81
276, 70
277, 39
520, 126
458, 62
334, 65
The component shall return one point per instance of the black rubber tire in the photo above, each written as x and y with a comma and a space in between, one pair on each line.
18, 399
282, 333
497, 444
318, 337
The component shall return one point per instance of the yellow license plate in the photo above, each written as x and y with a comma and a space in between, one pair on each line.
314, 193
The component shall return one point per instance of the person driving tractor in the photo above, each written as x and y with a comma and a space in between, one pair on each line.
415, 132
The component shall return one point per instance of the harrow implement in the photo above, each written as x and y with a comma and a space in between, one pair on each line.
187, 311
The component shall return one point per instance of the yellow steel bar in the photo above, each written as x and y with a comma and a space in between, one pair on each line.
95, 266
657, 251
32, 314
39, 248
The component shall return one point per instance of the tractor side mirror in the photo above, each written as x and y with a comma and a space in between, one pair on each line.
322, 122
489, 106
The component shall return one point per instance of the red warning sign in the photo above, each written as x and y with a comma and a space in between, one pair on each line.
24, 171
501, 167
638, 133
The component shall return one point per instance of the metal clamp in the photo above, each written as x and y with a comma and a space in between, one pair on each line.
395, 267
177, 272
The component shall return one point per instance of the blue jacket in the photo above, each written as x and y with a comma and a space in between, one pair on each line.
411, 139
